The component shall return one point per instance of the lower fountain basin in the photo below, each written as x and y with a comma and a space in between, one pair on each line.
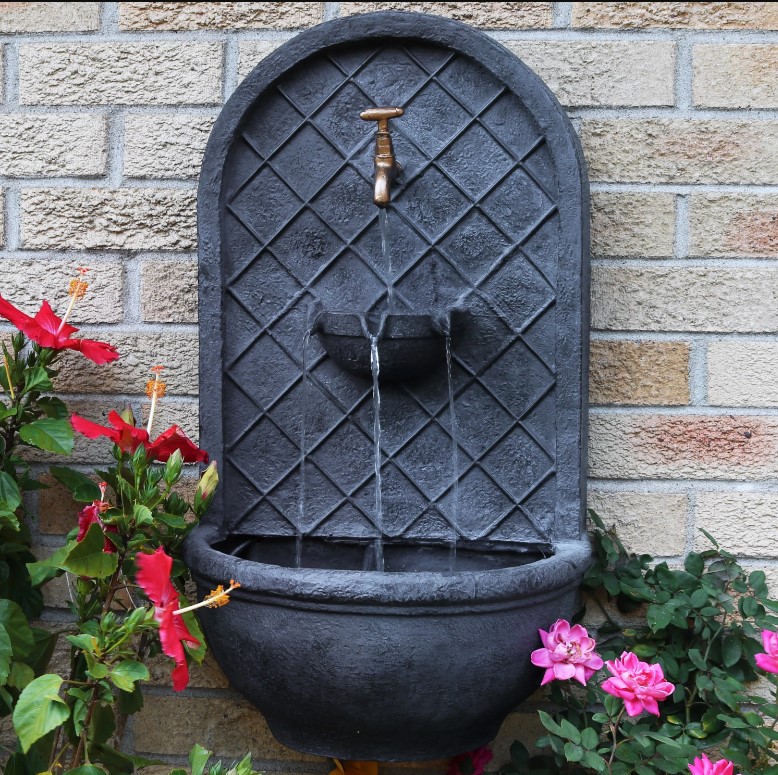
409, 346
414, 663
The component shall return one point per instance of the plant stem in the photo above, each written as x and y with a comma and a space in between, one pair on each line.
614, 728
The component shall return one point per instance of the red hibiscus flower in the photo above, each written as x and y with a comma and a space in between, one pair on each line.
470, 763
154, 578
47, 330
128, 438
90, 515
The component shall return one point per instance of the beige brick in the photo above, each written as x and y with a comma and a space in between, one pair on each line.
184, 73
57, 511
169, 291
34, 145
602, 72
645, 446
219, 16
630, 224
56, 593
507, 16
648, 373
139, 352
736, 225
165, 145
735, 76
205, 676
743, 523
228, 727
700, 16
26, 283
49, 17
693, 299
93, 219
743, 373
2, 217
679, 151
251, 52
525, 727
647, 522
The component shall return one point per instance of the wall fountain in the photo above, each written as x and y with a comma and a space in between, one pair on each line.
396, 391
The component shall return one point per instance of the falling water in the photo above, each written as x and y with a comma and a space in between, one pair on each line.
379, 514
452, 558
298, 547
387, 257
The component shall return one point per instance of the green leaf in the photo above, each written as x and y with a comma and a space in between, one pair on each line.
14, 622
573, 753
36, 378
549, 723
570, 732
10, 497
697, 660
20, 675
39, 710
594, 761
589, 738
5, 654
731, 650
699, 598
694, 564
53, 407
127, 672
86, 769
81, 487
87, 558
45, 570
142, 515
49, 434
198, 758
659, 616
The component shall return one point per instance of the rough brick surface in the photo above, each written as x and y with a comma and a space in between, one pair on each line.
125, 219
250, 52
602, 72
27, 282
633, 225
651, 523
169, 291
743, 373
736, 76
205, 676
120, 73
693, 299
49, 17
701, 16
508, 16
736, 225
165, 145
176, 351
35, 145
681, 151
745, 524
226, 726
647, 373
219, 16
648, 446
57, 510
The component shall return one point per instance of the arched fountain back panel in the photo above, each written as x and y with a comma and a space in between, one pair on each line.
482, 433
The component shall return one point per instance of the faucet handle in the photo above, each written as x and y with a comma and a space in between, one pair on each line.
381, 115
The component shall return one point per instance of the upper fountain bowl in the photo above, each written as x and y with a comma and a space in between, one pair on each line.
409, 346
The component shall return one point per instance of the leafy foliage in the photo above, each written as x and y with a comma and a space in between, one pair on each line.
701, 624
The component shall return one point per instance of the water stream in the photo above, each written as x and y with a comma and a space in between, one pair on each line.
298, 547
383, 225
454, 453
379, 514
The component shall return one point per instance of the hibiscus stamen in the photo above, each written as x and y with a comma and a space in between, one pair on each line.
215, 598
155, 389
76, 290
11, 391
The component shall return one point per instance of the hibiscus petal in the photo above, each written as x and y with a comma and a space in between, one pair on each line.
153, 576
50, 323
97, 352
174, 439
180, 676
91, 429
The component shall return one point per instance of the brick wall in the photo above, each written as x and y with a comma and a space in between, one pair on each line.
106, 110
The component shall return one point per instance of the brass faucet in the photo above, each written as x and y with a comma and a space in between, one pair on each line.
387, 168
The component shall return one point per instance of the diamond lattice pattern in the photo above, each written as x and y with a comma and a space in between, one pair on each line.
473, 227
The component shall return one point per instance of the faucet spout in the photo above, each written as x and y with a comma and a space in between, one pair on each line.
387, 168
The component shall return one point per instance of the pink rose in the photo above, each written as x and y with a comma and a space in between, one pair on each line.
568, 652
639, 684
769, 660
471, 763
702, 765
